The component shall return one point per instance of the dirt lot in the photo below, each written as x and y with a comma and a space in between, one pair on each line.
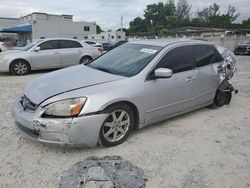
205, 148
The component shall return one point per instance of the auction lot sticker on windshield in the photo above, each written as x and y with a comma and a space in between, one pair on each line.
150, 51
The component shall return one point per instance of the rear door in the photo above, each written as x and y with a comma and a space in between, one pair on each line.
70, 52
207, 60
170, 96
48, 55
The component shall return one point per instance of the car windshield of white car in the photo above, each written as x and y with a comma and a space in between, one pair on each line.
29, 46
126, 60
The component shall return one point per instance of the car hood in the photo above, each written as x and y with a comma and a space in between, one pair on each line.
11, 52
66, 80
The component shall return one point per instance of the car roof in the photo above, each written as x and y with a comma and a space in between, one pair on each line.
166, 42
48, 39
89, 41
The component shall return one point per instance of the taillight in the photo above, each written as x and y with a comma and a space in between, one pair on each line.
100, 50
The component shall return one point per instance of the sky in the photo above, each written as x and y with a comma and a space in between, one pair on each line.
106, 13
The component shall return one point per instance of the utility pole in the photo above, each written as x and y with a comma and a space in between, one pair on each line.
121, 23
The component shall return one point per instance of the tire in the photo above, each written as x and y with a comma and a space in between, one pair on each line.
222, 98
85, 60
115, 131
20, 67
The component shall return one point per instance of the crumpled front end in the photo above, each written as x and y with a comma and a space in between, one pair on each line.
228, 66
78, 131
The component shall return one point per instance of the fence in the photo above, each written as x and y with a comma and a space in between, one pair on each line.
225, 41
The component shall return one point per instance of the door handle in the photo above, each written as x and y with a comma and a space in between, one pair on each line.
56, 52
190, 79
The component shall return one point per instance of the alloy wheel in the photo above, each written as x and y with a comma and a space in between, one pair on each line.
86, 61
116, 125
20, 68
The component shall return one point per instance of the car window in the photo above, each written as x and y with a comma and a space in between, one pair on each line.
205, 55
178, 59
89, 42
49, 45
69, 44
126, 60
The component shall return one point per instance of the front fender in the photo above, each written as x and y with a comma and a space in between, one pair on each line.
101, 96
11, 60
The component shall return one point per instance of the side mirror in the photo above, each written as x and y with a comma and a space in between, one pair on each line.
36, 49
163, 73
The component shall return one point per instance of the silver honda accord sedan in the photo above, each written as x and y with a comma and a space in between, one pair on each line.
137, 84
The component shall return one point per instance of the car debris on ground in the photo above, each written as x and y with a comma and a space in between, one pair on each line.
104, 172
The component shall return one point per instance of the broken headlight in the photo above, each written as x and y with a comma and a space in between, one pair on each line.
65, 108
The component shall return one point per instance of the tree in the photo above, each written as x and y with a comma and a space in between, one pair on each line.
170, 8
98, 29
125, 30
183, 10
232, 14
138, 25
159, 18
246, 23
208, 13
211, 16
156, 16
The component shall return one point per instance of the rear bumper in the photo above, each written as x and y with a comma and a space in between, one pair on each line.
80, 131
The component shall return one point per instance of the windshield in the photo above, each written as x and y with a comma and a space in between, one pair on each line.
29, 46
126, 60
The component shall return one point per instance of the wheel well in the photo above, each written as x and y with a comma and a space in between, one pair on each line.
19, 60
134, 109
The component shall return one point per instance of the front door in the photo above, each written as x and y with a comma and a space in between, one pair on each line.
48, 55
166, 97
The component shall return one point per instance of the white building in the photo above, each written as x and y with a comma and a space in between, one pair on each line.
42, 25
108, 36
6, 23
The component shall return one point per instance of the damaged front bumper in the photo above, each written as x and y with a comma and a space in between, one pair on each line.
79, 131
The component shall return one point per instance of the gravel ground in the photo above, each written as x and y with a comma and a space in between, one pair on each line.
205, 148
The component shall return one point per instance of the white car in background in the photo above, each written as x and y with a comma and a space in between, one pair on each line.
47, 54
94, 44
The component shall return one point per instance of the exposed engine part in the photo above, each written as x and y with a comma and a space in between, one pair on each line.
228, 66
105, 172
